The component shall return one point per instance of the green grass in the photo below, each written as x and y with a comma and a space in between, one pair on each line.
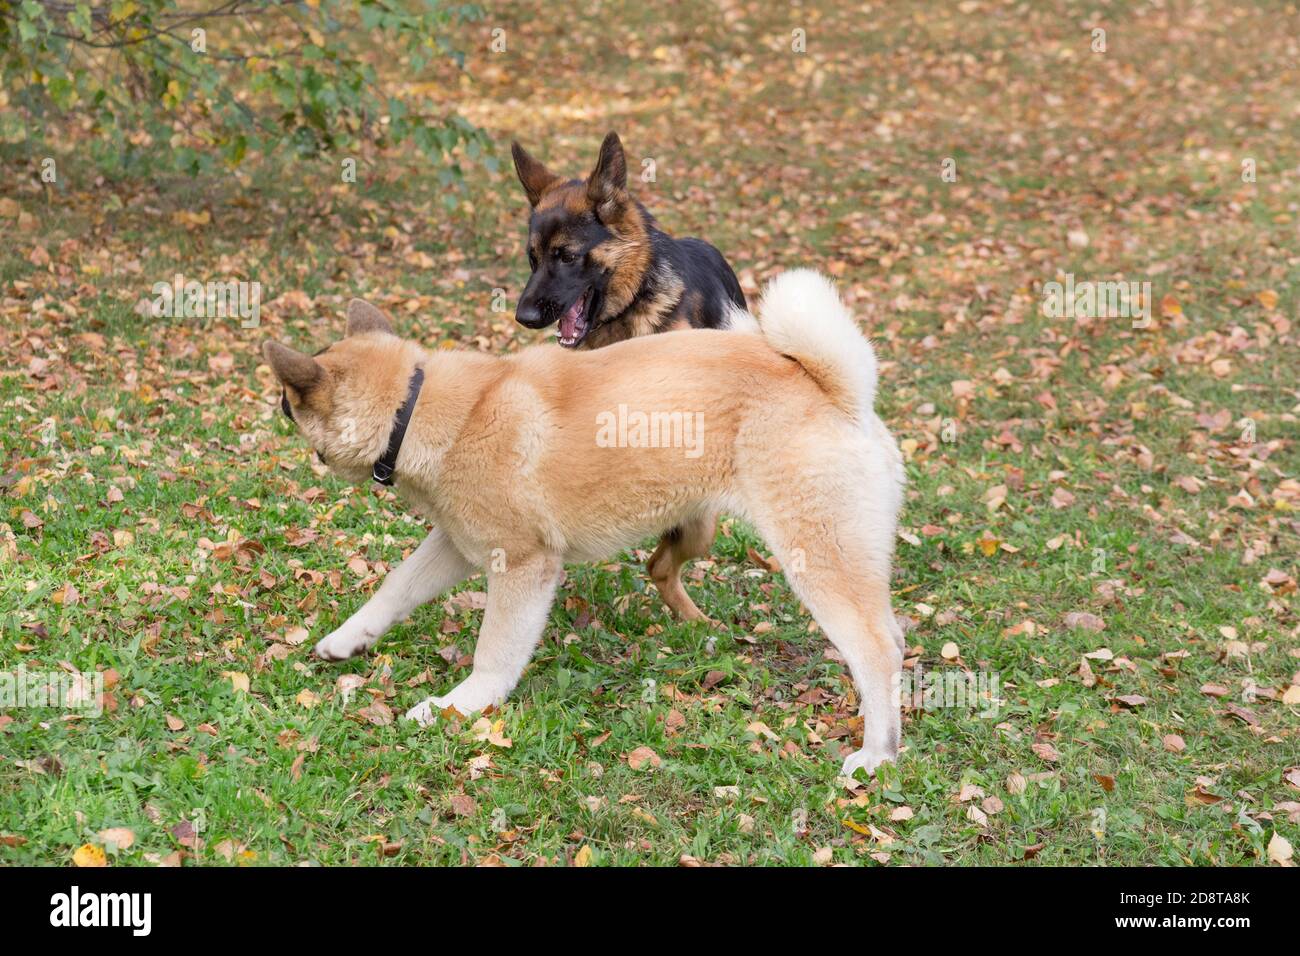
200, 568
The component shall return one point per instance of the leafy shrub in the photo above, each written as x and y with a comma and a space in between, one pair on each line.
158, 84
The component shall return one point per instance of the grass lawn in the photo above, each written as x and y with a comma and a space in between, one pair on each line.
1101, 522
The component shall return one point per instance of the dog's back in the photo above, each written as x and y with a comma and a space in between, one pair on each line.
689, 418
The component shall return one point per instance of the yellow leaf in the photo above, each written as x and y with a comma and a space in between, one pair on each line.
237, 680
1268, 299
307, 699
89, 855
492, 732
583, 856
1279, 850
66, 595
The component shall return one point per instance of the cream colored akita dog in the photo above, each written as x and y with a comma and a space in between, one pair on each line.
525, 462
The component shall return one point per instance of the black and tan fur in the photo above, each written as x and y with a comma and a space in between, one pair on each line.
593, 247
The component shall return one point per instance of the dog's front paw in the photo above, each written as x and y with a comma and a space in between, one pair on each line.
865, 759
345, 642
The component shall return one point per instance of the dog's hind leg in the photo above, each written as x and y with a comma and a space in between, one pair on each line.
853, 609
518, 600
689, 540
432, 568
836, 554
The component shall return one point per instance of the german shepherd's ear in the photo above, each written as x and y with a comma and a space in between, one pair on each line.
534, 177
364, 317
292, 368
607, 184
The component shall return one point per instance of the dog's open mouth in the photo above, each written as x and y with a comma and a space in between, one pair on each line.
573, 325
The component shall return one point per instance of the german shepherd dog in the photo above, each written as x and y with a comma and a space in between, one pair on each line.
504, 456
603, 271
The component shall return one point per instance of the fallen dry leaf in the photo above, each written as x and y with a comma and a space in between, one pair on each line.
1046, 752
238, 681
491, 731
463, 805
119, 837
89, 855
307, 699
643, 757
1084, 621
1279, 850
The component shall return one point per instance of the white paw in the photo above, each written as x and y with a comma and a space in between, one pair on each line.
348, 641
468, 697
427, 711
865, 759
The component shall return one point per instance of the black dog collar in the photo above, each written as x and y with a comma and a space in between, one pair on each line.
383, 469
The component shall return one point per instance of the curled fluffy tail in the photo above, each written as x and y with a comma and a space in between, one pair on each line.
801, 316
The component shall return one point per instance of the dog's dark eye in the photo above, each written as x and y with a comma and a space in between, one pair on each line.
532, 260
565, 255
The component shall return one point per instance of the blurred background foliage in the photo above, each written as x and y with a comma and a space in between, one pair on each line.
157, 85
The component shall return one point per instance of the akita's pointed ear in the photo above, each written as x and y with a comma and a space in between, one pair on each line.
292, 368
607, 184
364, 317
534, 177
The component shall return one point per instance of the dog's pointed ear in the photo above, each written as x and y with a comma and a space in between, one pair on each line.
534, 177
364, 317
292, 368
607, 184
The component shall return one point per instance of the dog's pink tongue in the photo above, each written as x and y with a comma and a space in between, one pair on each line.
569, 321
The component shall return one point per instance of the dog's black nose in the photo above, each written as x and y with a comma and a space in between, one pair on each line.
530, 316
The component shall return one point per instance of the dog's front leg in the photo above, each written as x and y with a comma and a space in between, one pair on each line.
518, 600
432, 568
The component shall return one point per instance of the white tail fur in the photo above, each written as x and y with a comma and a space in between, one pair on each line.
739, 320
801, 316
